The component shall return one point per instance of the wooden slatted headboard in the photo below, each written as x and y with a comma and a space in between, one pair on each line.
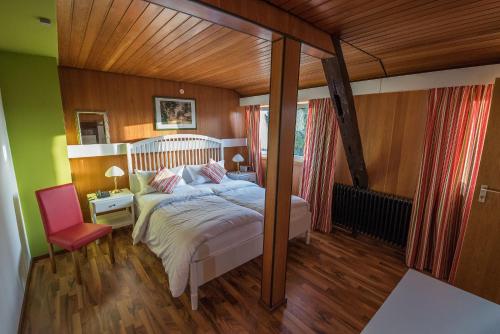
173, 150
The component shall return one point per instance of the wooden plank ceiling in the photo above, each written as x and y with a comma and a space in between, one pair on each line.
410, 36
139, 38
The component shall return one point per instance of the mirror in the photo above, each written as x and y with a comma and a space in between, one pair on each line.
92, 127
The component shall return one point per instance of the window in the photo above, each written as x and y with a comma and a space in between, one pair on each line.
300, 129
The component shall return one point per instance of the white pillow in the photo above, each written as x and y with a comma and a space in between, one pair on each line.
144, 177
194, 172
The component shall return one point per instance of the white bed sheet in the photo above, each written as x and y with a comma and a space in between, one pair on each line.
142, 200
174, 226
251, 196
300, 215
215, 245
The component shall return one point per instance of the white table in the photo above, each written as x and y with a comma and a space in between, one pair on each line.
116, 210
423, 305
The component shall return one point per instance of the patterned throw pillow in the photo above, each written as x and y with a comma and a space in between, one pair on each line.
213, 171
194, 173
165, 181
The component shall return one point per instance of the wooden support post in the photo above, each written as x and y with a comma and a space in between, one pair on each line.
343, 101
285, 64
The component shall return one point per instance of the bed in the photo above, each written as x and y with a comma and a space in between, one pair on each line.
200, 232
251, 196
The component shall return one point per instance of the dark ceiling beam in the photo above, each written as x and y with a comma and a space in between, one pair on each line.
257, 18
343, 100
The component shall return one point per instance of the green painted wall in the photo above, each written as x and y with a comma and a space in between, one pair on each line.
33, 110
20, 30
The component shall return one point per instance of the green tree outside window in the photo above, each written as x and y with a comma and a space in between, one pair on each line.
300, 128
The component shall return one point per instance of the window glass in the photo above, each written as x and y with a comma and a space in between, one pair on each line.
300, 129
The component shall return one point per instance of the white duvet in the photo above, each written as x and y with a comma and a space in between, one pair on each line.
246, 194
175, 225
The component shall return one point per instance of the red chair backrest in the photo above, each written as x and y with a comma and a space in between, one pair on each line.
59, 207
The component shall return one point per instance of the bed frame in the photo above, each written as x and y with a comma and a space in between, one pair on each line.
175, 150
171, 151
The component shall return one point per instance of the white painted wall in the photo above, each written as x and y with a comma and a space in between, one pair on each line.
14, 252
102, 150
478, 75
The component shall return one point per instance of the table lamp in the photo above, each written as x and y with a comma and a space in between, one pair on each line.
238, 158
115, 172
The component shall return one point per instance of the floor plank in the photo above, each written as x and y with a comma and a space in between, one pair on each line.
335, 284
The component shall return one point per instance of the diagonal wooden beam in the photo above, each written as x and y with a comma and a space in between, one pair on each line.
341, 94
257, 18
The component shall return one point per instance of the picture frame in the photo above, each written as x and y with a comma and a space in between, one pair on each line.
174, 113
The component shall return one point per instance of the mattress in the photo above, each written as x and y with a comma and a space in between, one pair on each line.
176, 225
141, 200
241, 234
229, 239
251, 196
215, 245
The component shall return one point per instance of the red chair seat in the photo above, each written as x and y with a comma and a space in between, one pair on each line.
77, 236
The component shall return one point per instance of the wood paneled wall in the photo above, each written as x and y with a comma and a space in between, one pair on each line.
478, 268
392, 127
296, 176
128, 100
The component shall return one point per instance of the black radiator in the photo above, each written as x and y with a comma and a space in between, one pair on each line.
375, 214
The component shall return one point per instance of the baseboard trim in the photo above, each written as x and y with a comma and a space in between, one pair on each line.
20, 325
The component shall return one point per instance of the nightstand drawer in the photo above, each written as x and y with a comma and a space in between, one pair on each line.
114, 204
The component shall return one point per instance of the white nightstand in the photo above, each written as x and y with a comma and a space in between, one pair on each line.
116, 210
245, 176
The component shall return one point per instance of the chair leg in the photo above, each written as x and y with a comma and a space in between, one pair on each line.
84, 251
52, 259
111, 248
74, 254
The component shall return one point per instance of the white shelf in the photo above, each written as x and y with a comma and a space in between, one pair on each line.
116, 219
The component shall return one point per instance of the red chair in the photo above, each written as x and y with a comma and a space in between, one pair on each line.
63, 223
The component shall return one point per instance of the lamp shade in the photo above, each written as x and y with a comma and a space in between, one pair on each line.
238, 158
114, 171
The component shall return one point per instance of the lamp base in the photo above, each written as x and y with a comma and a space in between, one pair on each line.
116, 190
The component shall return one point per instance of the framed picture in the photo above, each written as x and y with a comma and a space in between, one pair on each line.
174, 114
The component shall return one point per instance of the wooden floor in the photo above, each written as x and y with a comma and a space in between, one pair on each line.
335, 285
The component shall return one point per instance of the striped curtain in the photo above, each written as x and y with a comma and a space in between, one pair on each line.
252, 120
454, 136
319, 162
